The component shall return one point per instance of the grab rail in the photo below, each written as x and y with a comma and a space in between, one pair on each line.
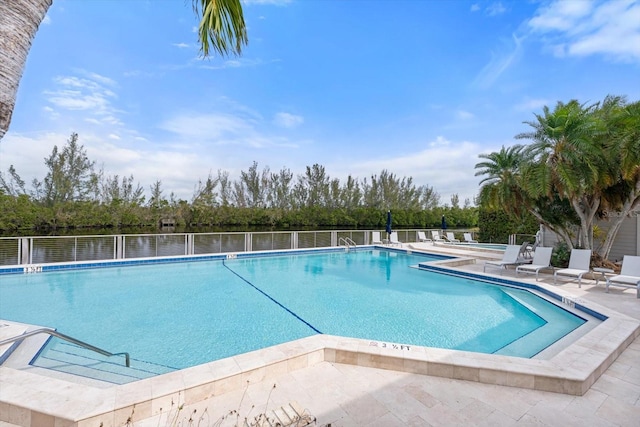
347, 241
67, 338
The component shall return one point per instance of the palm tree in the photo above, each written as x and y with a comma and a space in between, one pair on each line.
622, 146
222, 28
501, 185
566, 160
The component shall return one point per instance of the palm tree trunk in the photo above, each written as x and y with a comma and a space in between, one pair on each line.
19, 21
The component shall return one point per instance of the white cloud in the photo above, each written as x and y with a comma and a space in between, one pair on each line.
46, 20
287, 120
532, 105
90, 94
180, 45
584, 28
464, 115
267, 2
496, 8
475, 7
499, 63
445, 165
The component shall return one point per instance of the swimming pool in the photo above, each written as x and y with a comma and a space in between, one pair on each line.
183, 314
497, 246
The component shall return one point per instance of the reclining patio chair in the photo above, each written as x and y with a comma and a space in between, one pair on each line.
541, 260
511, 257
579, 265
629, 275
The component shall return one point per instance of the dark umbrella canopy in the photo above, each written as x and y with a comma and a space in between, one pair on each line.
388, 228
444, 223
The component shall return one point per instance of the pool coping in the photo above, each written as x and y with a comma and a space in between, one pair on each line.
30, 399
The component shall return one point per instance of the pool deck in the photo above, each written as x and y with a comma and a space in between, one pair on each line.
348, 382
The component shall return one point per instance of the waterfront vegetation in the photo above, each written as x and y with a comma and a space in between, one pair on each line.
582, 165
73, 195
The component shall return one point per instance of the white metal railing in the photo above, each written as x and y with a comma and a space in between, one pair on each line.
52, 249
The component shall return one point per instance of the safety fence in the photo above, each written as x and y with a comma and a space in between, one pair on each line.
52, 249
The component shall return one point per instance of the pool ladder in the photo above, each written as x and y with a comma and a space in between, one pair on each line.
347, 242
67, 338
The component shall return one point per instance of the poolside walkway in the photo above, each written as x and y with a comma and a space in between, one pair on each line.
348, 395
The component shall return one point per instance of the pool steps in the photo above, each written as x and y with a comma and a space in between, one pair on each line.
72, 359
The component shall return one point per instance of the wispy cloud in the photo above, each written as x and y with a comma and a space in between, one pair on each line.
499, 63
268, 2
532, 104
181, 45
464, 115
427, 165
287, 120
496, 8
232, 63
584, 28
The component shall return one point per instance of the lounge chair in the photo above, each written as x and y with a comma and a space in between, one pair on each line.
629, 276
511, 257
435, 235
451, 237
375, 238
423, 238
523, 250
393, 239
541, 260
469, 239
579, 263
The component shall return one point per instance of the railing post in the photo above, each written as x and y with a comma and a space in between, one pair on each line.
248, 242
119, 246
187, 244
25, 252
294, 240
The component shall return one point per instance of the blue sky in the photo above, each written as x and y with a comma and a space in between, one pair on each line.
419, 88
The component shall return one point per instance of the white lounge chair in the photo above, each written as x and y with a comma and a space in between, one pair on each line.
375, 238
629, 276
451, 237
579, 263
511, 257
423, 238
469, 239
523, 250
393, 239
435, 235
541, 260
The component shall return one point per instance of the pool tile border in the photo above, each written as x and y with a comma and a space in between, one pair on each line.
29, 399
61, 403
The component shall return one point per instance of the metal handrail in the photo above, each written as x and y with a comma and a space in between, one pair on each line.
347, 241
67, 338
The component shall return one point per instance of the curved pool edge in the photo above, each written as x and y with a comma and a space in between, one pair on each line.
29, 398
572, 371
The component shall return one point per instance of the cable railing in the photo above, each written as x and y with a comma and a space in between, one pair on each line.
53, 332
38, 250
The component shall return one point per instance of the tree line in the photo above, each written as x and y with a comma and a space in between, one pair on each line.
582, 164
73, 194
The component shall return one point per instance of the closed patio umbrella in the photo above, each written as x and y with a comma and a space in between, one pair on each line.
388, 227
444, 223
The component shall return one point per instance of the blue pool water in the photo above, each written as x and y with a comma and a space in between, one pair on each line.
187, 313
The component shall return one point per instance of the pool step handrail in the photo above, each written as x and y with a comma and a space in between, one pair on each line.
347, 241
72, 340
